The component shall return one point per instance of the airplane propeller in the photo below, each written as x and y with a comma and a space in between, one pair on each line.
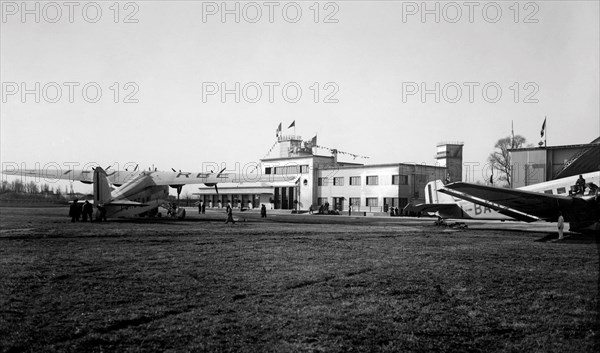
215, 184
179, 187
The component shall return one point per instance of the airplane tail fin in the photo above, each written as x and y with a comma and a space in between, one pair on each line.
432, 194
101, 187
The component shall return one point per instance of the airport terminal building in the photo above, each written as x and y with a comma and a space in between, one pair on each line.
314, 180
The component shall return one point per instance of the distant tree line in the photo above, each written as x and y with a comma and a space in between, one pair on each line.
45, 190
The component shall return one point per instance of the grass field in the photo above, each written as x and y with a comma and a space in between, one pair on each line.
257, 286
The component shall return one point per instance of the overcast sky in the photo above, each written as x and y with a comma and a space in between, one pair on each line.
365, 63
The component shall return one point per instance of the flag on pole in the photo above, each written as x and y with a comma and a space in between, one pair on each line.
278, 131
512, 132
292, 124
543, 128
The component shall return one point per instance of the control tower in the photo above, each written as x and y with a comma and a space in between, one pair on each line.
292, 146
449, 155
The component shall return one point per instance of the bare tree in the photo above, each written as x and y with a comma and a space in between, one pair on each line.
500, 158
5, 186
45, 189
31, 188
17, 186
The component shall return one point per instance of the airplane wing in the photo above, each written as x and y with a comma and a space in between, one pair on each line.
184, 178
120, 177
85, 176
522, 205
159, 177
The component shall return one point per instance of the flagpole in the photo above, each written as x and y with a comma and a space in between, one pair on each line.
512, 134
545, 132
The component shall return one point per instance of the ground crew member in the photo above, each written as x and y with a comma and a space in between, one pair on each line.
229, 215
88, 210
580, 184
561, 225
74, 211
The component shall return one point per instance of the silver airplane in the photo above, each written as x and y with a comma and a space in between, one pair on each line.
537, 202
140, 192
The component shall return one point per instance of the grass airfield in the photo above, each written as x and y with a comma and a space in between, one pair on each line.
330, 284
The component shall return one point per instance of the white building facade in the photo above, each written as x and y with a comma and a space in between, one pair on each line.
314, 180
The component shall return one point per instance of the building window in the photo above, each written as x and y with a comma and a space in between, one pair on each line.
372, 180
391, 201
338, 181
354, 201
355, 180
395, 179
322, 182
403, 179
372, 201
321, 200
267, 170
289, 170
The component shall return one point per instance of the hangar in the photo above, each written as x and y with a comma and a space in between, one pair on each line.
316, 179
534, 165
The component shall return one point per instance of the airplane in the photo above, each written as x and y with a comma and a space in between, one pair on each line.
539, 202
451, 207
141, 192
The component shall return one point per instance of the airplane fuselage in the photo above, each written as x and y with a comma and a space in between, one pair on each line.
141, 190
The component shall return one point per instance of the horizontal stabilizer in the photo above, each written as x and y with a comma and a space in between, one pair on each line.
125, 203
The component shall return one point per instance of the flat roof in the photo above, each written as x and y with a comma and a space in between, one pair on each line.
385, 166
584, 145
296, 157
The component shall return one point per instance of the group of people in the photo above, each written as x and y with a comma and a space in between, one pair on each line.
84, 211
229, 212
201, 207
395, 211
323, 209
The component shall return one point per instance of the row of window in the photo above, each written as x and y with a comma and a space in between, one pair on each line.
356, 180
287, 170
369, 201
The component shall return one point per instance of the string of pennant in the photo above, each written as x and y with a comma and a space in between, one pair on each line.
270, 149
312, 143
335, 150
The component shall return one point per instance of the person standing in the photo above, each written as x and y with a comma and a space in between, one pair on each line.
349, 209
88, 210
229, 215
101, 213
560, 225
74, 211
263, 211
580, 184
